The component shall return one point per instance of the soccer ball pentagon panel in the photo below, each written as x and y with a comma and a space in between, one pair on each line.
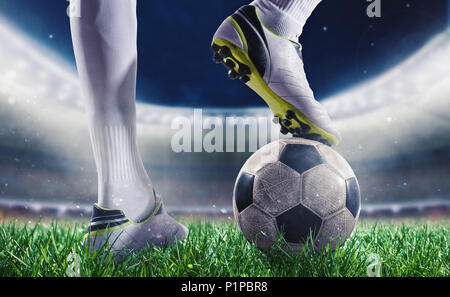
299, 190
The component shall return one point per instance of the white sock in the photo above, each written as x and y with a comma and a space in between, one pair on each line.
285, 17
104, 36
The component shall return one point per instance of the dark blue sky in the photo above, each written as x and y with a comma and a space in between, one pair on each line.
342, 46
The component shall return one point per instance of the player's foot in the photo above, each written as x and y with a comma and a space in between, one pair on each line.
112, 229
272, 66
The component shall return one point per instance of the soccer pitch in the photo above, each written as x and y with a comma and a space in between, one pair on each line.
217, 248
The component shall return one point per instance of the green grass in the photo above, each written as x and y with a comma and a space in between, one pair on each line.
217, 248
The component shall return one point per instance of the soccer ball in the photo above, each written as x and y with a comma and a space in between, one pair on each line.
296, 190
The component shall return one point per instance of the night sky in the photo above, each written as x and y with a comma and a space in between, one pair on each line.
342, 46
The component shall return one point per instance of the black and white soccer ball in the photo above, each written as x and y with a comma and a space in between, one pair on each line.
299, 190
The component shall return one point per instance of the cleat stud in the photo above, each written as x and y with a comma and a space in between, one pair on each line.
305, 128
245, 79
217, 58
284, 130
287, 123
225, 52
276, 120
292, 131
229, 64
232, 74
315, 137
290, 114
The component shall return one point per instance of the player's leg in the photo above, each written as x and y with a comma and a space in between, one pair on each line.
259, 45
104, 34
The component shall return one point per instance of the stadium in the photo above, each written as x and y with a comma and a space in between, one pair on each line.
399, 165
395, 128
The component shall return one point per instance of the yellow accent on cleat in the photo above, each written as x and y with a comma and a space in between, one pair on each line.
130, 222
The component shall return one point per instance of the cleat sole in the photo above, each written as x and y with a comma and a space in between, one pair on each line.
289, 117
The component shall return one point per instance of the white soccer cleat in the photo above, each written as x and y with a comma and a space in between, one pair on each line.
111, 229
273, 67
